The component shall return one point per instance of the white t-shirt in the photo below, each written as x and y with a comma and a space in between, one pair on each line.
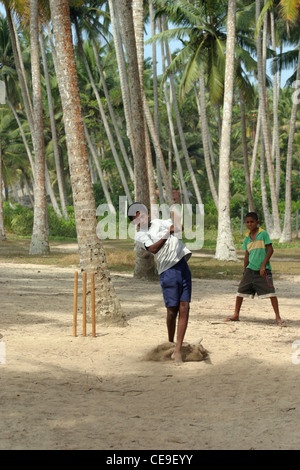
171, 252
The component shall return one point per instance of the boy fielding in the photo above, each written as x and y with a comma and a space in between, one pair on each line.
157, 237
257, 278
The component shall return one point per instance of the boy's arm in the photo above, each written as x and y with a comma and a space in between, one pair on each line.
270, 251
155, 247
246, 260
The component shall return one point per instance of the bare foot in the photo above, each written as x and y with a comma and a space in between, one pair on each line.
233, 318
177, 357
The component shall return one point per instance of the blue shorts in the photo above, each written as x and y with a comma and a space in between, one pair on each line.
176, 284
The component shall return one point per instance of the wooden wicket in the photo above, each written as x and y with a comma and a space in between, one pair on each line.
75, 303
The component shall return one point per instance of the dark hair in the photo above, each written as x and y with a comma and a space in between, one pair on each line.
134, 208
252, 214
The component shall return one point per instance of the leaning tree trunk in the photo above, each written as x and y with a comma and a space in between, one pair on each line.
39, 241
245, 152
264, 196
122, 71
92, 255
275, 107
265, 132
112, 113
168, 101
26, 97
138, 21
58, 168
144, 267
2, 229
102, 114
205, 140
225, 249
180, 128
255, 148
286, 235
155, 99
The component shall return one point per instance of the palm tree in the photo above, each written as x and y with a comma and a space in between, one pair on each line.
39, 241
291, 12
2, 228
180, 130
103, 115
92, 255
145, 266
58, 168
265, 131
19, 7
225, 249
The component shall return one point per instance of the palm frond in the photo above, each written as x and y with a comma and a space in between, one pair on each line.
289, 10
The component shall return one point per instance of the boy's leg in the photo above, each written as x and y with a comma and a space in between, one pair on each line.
238, 304
171, 322
274, 302
184, 308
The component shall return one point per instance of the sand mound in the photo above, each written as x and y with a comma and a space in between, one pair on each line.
189, 352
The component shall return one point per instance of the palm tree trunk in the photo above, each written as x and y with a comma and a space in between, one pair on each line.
20, 128
112, 114
144, 267
275, 108
136, 101
245, 152
91, 251
155, 99
286, 235
255, 147
26, 97
99, 170
172, 131
138, 21
19, 66
264, 196
39, 241
265, 132
205, 140
158, 152
53, 131
225, 249
103, 116
2, 228
180, 131
115, 25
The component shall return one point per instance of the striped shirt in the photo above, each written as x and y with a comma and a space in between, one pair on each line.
257, 249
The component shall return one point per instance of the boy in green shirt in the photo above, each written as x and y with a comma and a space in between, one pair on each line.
257, 278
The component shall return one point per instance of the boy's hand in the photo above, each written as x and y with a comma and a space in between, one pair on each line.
172, 229
262, 271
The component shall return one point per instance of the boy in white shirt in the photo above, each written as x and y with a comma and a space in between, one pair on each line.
157, 237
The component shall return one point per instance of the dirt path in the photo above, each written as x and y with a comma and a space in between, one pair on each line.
61, 392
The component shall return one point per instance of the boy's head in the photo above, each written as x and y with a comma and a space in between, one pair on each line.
251, 221
139, 214
253, 215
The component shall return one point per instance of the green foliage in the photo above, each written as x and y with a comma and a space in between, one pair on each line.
22, 223
59, 227
19, 220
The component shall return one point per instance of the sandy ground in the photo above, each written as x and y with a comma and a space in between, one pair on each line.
61, 392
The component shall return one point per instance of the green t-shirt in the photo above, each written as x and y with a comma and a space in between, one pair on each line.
257, 249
